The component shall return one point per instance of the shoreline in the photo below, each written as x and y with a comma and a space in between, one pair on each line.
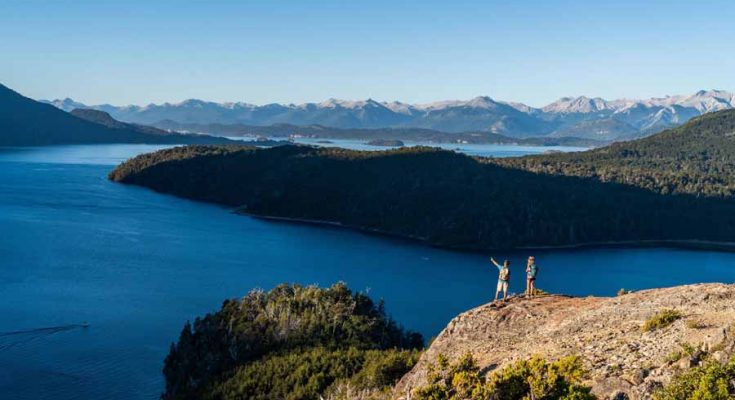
681, 244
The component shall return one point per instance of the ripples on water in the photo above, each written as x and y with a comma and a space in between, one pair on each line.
135, 265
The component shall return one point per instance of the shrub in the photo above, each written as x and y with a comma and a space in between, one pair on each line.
661, 320
676, 355
311, 373
535, 378
695, 324
709, 382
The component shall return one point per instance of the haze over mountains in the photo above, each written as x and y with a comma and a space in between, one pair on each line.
26, 122
590, 118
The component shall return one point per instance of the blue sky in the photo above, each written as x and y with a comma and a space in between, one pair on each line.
296, 51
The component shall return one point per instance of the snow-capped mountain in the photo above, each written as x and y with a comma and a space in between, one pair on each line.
66, 104
581, 104
581, 116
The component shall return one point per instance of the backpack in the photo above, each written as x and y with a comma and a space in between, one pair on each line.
504, 274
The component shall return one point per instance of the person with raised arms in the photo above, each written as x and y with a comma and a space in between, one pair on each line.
503, 278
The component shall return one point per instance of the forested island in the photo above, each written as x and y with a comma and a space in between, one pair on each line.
386, 143
671, 188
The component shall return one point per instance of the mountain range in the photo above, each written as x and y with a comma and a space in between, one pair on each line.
584, 117
26, 122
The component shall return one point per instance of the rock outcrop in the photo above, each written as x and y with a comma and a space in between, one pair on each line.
623, 360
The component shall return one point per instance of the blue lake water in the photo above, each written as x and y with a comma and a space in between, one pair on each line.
135, 265
484, 150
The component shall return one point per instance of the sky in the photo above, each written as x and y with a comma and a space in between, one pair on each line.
294, 51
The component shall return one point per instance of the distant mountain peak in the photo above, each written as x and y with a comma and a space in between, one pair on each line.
97, 116
26, 122
195, 103
580, 104
480, 113
350, 104
482, 102
66, 104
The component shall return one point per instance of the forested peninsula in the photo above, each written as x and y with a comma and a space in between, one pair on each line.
673, 188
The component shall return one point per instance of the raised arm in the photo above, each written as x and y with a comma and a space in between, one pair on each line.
495, 262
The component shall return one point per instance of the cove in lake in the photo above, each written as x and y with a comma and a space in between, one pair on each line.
135, 265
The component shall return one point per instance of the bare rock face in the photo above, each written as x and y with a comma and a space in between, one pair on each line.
623, 360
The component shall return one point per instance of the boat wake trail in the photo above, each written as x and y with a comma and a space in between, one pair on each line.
15, 338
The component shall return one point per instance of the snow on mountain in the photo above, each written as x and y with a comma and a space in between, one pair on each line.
522, 107
350, 104
66, 104
581, 104
569, 114
401, 108
708, 101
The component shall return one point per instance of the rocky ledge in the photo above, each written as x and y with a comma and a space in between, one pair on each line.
624, 359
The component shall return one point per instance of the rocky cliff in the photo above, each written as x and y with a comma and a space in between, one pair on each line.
623, 357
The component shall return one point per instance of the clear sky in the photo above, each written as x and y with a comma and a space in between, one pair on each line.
124, 52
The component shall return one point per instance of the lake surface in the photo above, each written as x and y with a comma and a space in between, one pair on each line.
484, 150
135, 265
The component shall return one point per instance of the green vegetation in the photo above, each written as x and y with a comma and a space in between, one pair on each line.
685, 350
526, 379
452, 200
661, 320
308, 374
695, 324
386, 142
294, 342
712, 381
697, 158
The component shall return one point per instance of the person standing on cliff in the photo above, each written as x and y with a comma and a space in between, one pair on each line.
503, 278
531, 272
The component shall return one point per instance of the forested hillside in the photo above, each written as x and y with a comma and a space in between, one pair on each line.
696, 158
440, 197
293, 342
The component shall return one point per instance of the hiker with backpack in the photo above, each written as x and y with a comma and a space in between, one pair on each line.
531, 272
503, 278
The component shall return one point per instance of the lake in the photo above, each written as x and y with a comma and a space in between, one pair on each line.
134, 265
483, 150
